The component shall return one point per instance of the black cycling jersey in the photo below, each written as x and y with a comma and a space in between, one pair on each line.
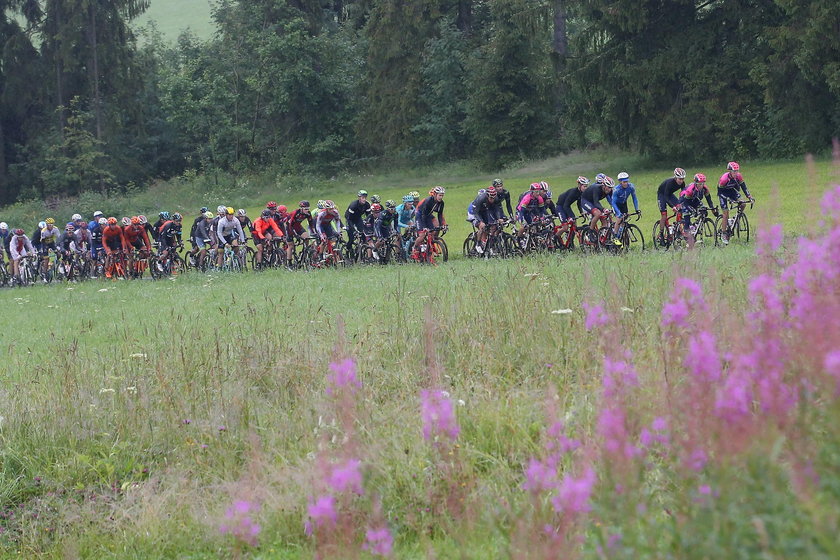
487, 210
357, 211
594, 193
566, 199
503, 196
429, 206
669, 186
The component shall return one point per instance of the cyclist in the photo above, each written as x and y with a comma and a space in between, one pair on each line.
136, 237
405, 213
665, 197
229, 232
163, 217
203, 238
198, 219
386, 224
36, 235
532, 204
729, 185
590, 202
96, 215
170, 235
504, 197
113, 239
5, 236
487, 209
49, 236
324, 222
295, 226
96, 248
691, 200
66, 246
620, 194
425, 217
471, 207
245, 221
565, 201
265, 229
355, 215
19, 247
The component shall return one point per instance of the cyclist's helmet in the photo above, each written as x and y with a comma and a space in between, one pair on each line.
536, 187
376, 207
408, 198
18, 232
271, 205
497, 183
126, 221
240, 212
164, 215
623, 176
229, 210
69, 227
203, 210
102, 221
177, 217
266, 213
98, 214
220, 209
491, 191
304, 204
599, 178
548, 194
112, 221
282, 209
699, 178
415, 195
438, 190
481, 191
208, 215
50, 221
135, 220
544, 185
608, 182
321, 204
4, 226
362, 193
733, 166
329, 205
143, 219
582, 180
679, 173
375, 199
76, 217
390, 204
42, 224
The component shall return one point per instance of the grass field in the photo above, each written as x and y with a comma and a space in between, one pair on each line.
134, 416
172, 17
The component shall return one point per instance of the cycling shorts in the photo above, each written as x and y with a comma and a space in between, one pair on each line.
588, 207
565, 216
114, 244
727, 197
425, 222
201, 243
622, 207
665, 201
138, 244
230, 238
328, 230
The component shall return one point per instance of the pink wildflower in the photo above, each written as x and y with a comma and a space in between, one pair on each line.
379, 542
539, 476
768, 240
323, 510
347, 477
831, 362
573, 493
240, 523
344, 375
595, 315
438, 415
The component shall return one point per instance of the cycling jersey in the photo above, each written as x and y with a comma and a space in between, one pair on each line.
197, 221
425, 209
565, 200
384, 224
170, 235
693, 195
487, 210
729, 187
49, 235
620, 195
356, 211
247, 225
503, 196
296, 220
6, 236
158, 225
592, 196
203, 237
135, 236
19, 246
263, 226
229, 229
405, 215
113, 238
323, 222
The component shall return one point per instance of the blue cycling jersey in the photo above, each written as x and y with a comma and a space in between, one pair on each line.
620, 195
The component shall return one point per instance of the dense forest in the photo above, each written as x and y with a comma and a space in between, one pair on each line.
318, 86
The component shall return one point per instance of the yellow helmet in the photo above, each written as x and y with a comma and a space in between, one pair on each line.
229, 210
50, 221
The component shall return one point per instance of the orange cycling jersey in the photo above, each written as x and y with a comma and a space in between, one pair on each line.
134, 232
261, 226
111, 235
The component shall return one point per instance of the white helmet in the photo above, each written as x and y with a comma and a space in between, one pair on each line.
42, 224
76, 217
608, 182
240, 212
221, 209
103, 221
126, 221
4, 225
98, 213
438, 190
679, 173
623, 175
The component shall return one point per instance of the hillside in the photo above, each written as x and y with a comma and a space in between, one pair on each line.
174, 16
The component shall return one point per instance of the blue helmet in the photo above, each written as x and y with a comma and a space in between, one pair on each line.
408, 198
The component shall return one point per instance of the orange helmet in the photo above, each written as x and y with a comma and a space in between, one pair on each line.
112, 221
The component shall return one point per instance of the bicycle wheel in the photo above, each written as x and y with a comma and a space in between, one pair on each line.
469, 246
632, 238
589, 240
441, 251
4, 274
567, 240
660, 241
742, 228
28, 272
394, 250
706, 233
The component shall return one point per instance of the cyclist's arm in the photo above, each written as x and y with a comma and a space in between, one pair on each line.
635, 199
709, 199
743, 186
238, 227
507, 201
614, 202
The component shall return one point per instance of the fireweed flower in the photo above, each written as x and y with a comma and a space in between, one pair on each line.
768, 240
379, 542
676, 311
323, 510
438, 416
347, 477
239, 522
595, 315
539, 476
573, 493
343, 376
831, 363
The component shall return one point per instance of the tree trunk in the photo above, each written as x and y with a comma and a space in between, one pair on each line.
59, 71
560, 43
465, 16
94, 70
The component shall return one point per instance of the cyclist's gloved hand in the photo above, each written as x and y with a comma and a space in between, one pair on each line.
715, 212
752, 198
